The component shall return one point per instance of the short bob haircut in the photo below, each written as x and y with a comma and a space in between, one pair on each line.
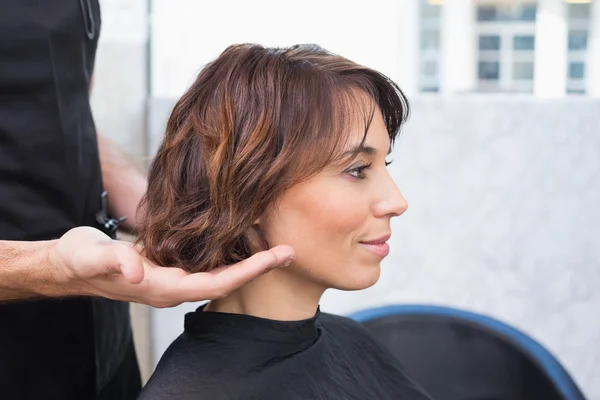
255, 122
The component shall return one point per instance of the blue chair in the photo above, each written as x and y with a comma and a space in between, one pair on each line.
460, 355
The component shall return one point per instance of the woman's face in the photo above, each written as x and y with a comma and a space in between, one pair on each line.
339, 220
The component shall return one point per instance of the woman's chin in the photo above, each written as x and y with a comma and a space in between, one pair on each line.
363, 279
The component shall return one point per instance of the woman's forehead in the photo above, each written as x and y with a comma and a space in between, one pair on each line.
370, 136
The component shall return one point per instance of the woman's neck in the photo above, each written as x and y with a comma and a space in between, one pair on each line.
279, 295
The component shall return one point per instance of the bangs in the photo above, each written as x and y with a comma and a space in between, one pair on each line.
354, 111
339, 108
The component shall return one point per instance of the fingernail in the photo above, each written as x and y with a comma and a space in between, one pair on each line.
289, 261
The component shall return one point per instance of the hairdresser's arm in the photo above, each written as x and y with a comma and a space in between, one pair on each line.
124, 181
86, 262
27, 272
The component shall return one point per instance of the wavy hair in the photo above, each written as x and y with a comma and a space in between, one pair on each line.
255, 122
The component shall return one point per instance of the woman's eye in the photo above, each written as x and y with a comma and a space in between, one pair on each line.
359, 172
388, 162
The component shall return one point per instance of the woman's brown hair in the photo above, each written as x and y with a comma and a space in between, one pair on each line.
255, 122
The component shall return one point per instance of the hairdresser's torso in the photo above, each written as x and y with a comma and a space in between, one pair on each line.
49, 168
50, 182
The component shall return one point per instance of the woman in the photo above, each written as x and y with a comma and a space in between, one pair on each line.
269, 147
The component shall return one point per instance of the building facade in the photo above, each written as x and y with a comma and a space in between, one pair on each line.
548, 48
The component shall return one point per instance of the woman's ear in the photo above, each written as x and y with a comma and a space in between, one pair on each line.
255, 239
260, 219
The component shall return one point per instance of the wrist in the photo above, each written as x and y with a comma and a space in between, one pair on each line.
59, 279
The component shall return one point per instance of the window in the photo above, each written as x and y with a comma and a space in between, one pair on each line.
578, 20
489, 70
486, 13
430, 39
524, 42
430, 11
506, 12
576, 70
430, 20
578, 40
429, 68
523, 70
578, 11
489, 42
506, 46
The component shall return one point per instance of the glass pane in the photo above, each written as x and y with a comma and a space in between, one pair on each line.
576, 70
527, 13
523, 71
430, 11
429, 89
429, 68
489, 42
486, 13
579, 10
526, 42
430, 40
578, 40
489, 70
523, 12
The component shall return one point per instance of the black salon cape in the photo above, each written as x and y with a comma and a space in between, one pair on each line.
230, 356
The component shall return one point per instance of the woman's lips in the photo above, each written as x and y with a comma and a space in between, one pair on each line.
378, 246
382, 249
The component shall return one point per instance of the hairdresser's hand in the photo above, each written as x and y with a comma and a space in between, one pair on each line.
98, 266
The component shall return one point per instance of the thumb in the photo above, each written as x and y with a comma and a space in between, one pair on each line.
132, 265
127, 261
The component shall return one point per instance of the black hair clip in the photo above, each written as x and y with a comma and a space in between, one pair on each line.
109, 223
88, 19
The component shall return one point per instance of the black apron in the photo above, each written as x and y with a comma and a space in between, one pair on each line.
50, 182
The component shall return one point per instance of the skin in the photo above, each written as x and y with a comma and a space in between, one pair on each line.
325, 219
86, 262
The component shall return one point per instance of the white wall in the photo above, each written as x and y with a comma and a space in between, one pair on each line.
186, 34
120, 74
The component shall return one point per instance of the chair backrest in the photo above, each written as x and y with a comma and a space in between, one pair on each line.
461, 355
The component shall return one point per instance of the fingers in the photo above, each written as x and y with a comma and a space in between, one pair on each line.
264, 261
209, 286
170, 286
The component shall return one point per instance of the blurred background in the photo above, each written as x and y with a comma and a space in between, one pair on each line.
500, 160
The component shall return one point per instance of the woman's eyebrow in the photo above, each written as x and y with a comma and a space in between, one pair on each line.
364, 149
